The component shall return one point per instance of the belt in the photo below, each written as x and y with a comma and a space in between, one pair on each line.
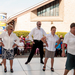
37, 40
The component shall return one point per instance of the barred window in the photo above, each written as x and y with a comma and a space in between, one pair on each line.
51, 9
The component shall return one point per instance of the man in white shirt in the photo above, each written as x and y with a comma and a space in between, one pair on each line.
69, 39
37, 34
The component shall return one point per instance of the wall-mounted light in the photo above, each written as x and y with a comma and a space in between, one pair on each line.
51, 22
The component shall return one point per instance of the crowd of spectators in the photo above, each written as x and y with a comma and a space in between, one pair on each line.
25, 45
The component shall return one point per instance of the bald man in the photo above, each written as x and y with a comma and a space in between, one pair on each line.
37, 33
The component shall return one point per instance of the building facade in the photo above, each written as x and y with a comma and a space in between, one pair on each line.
59, 13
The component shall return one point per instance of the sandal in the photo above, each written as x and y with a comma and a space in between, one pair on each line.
44, 68
11, 70
5, 70
52, 69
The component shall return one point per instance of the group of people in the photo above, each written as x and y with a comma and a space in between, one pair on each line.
40, 37
50, 40
25, 45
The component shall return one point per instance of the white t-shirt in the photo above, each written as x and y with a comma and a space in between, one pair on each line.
51, 40
21, 44
69, 39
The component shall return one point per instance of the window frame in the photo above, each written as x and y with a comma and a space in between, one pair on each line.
51, 12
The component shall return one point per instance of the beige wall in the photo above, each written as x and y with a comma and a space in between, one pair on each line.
24, 21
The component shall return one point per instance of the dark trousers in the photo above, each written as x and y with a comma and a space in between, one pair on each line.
58, 52
15, 50
38, 44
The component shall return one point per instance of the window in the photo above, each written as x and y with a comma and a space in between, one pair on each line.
54, 7
41, 12
38, 12
51, 9
47, 10
57, 8
44, 11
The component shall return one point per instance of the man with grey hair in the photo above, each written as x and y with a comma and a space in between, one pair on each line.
37, 34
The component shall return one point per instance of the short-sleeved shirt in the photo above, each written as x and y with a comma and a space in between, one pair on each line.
59, 46
69, 39
21, 44
51, 40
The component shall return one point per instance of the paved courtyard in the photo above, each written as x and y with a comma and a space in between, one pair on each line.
35, 67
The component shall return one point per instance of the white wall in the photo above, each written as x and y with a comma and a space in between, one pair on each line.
23, 22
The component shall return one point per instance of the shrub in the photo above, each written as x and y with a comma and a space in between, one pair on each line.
19, 33
61, 33
25, 33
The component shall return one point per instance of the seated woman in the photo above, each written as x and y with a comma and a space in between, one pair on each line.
28, 44
27, 40
21, 47
22, 38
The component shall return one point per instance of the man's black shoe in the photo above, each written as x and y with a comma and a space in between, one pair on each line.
26, 62
42, 62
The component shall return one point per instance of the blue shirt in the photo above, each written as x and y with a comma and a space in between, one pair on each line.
59, 46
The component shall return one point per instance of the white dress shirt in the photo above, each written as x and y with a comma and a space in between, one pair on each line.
37, 34
51, 40
69, 39
8, 41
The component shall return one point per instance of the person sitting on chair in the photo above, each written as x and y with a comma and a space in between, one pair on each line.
21, 47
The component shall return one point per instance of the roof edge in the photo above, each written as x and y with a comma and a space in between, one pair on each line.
30, 8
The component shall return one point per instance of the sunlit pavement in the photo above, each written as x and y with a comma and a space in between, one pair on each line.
35, 67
